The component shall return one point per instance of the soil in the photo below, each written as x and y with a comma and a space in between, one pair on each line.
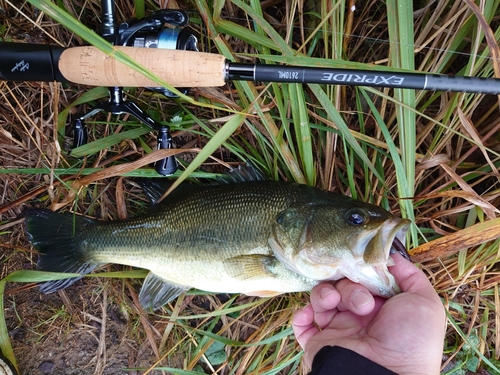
49, 337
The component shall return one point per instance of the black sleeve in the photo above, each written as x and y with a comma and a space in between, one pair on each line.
336, 360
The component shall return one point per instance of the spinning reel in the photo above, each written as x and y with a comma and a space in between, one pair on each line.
148, 32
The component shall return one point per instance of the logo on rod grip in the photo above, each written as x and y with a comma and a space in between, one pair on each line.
21, 66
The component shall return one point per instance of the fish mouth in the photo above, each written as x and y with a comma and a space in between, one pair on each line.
376, 249
388, 239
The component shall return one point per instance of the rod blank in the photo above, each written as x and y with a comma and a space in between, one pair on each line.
352, 77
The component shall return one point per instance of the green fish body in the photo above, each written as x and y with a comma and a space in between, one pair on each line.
233, 238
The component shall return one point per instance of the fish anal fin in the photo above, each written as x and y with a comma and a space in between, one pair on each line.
157, 291
248, 267
263, 293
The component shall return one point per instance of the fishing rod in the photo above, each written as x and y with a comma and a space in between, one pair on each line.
187, 68
171, 54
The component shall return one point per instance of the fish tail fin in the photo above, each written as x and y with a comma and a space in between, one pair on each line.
53, 236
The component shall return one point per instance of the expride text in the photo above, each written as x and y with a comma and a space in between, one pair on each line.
363, 78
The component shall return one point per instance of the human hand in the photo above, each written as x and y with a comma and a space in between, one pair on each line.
404, 333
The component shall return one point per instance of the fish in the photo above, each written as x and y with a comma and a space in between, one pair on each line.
247, 235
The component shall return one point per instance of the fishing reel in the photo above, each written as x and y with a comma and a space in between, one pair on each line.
147, 32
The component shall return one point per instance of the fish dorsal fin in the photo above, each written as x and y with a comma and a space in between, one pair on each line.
244, 173
156, 292
154, 188
248, 267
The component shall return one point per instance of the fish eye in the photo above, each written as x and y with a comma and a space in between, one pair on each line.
356, 217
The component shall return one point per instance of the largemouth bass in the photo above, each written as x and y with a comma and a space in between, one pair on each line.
259, 238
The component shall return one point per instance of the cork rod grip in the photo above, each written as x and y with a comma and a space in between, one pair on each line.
90, 66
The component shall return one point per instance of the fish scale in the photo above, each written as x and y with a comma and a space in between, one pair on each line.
216, 213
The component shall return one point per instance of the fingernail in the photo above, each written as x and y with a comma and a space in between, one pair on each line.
360, 298
325, 292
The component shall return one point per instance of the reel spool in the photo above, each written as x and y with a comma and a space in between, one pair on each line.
167, 38
179, 39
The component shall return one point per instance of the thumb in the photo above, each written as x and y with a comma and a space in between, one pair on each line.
412, 279
409, 277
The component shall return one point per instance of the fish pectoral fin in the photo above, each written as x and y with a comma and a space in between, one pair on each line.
156, 291
247, 267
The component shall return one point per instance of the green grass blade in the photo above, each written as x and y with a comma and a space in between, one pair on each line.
140, 8
464, 337
142, 172
343, 128
393, 150
400, 23
5, 345
100, 144
302, 131
29, 276
176, 371
217, 140
90, 95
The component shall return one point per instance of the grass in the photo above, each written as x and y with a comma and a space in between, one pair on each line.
431, 157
